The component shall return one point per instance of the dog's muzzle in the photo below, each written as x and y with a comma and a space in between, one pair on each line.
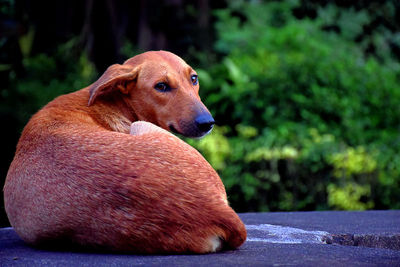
201, 125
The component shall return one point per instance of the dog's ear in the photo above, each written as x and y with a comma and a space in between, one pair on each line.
115, 77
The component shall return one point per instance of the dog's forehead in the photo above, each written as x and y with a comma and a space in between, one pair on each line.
161, 60
167, 62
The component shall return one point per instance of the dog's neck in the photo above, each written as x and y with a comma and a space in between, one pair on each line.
113, 113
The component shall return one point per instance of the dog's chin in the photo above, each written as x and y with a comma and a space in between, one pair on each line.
191, 133
206, 133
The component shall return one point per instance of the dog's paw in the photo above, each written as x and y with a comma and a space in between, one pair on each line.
144, 127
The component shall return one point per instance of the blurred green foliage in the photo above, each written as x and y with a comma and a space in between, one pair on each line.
47, 76
310, 119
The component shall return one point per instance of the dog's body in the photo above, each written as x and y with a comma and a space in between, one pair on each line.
79, 177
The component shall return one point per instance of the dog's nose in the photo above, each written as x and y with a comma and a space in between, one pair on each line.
204, 122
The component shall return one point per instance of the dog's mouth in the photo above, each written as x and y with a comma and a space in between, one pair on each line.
172, 129
191, 132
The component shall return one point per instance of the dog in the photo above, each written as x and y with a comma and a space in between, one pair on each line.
99, 168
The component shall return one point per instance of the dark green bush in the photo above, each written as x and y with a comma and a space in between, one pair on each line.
47, 76
310, 120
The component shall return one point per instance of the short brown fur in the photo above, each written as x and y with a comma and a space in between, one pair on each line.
79, 177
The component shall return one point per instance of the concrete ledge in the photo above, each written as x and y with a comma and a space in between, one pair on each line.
376, 229
370, 238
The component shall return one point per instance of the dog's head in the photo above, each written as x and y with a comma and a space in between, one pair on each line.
160, 88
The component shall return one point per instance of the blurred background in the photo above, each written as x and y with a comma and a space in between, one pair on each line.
306, 94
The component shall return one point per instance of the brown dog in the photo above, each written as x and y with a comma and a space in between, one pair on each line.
79, 177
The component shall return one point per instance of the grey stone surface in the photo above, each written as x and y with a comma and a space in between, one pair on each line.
376, 229
335, 222
274, 239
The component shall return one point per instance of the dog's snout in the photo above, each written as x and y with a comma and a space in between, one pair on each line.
205, 122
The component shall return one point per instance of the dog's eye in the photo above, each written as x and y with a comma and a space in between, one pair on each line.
162, 87
194, 79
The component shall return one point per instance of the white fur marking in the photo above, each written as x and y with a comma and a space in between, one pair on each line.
144, 127
215, 243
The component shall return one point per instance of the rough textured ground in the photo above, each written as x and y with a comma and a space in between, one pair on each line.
369, 238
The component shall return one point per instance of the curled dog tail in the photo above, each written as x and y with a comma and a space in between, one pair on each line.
228, 234
236, 231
